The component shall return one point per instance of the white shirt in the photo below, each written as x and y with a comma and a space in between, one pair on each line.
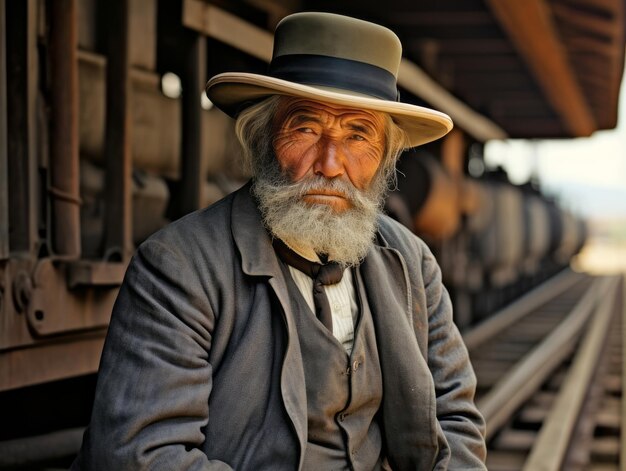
341, 297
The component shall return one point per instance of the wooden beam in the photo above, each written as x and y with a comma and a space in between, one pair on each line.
415, 80
228, 28
214, 22
582, 20
579, 45
439, 18
530, 27
494, 63
465, 46
607, 6
51, 361
539, 128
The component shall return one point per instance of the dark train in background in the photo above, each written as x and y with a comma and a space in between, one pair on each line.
105, 143
494, 240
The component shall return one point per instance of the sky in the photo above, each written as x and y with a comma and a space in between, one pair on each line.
588, 175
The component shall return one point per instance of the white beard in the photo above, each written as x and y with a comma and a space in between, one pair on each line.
344, 236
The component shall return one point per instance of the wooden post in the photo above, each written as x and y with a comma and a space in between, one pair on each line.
65, 175
192, 74
118, 216
21, 90
183, 51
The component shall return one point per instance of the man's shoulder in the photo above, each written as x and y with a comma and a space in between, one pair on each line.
399, 237
206, 227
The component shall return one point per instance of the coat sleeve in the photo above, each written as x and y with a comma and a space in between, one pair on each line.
461, 423
154, 381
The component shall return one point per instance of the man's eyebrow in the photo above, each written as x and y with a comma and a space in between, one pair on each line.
360, 126
300, 118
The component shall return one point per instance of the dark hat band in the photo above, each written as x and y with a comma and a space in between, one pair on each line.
346, 74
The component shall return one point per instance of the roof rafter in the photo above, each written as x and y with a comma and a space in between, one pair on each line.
529, 25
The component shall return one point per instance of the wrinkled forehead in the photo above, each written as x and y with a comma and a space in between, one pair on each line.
291, 108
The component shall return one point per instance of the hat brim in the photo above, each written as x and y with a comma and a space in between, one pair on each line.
231, 92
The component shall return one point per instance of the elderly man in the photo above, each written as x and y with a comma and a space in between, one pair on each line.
292, 325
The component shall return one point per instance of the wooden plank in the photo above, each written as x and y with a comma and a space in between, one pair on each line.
581, 19
35, 450
445, 19
577, 44
605, 6
232, 30
554, 436
50, 362
4, 158
515, 440
530, 27
467, 46
493, 63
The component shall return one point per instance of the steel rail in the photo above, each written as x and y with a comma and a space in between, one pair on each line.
520, 308
499, 404
550, 447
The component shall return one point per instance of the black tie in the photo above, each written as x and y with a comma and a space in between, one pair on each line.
323, 274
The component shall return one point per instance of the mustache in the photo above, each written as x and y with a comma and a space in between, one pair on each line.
323, 185
287, 190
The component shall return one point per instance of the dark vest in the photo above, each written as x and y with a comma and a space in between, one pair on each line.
343, 392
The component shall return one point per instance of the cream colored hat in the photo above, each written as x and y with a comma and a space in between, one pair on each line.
333, 59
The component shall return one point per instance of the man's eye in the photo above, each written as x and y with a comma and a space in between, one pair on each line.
305, 130
357, 137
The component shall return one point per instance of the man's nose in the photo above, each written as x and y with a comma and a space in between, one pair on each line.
330, 160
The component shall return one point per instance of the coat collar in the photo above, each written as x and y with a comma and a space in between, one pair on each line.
251, 238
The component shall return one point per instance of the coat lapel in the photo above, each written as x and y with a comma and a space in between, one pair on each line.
258, 259
408, 409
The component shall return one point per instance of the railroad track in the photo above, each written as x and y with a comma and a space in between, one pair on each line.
550, 377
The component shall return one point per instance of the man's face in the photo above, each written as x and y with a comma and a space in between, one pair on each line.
318, 139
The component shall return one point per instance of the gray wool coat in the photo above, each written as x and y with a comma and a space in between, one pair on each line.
202, 369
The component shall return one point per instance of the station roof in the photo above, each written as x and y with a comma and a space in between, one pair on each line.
508, 68
536, 68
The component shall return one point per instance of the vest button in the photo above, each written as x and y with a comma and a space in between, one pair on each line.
355, 365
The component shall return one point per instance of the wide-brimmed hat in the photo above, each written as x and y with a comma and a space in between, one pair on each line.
333, 59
